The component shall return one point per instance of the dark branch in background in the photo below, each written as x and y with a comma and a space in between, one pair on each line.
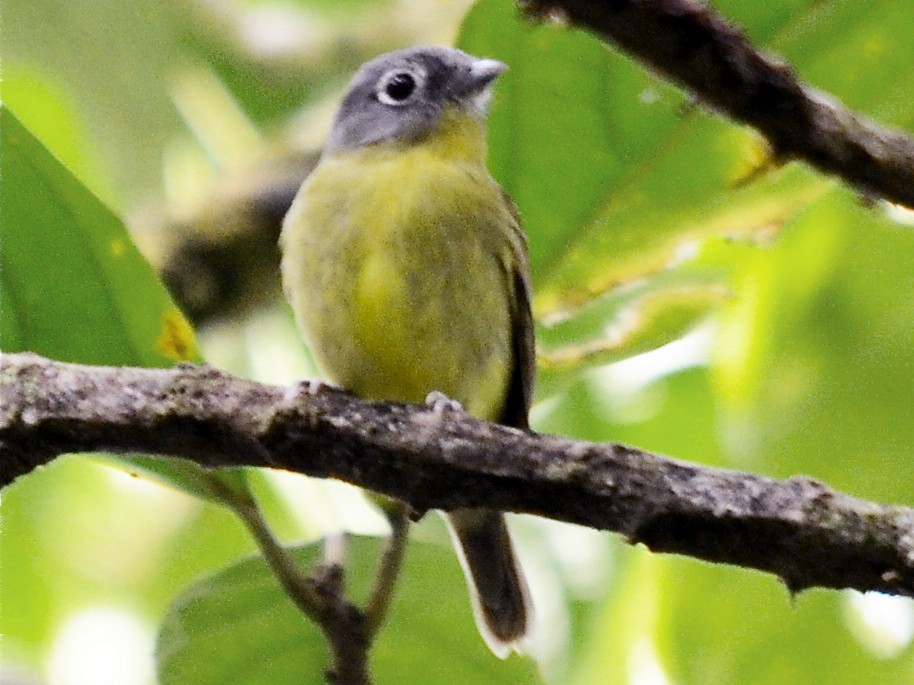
804, 532
224, 261
690, 44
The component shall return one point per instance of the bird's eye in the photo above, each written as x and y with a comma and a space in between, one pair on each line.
397, 88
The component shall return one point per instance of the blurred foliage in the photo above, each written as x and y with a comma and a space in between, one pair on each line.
223, 261
648, 218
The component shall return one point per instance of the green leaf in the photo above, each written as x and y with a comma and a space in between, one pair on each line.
73, 286
237, 626
222, 486
41, 101
640, 323
605, 181
617, 177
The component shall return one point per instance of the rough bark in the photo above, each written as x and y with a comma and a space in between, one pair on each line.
801, 530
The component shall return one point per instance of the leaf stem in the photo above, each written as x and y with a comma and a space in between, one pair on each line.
298, 587
388, 570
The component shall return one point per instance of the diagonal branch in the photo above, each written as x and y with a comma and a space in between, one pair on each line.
804, 532
689, 43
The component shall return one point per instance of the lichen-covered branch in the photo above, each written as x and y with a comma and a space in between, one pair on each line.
804, 532
689, 43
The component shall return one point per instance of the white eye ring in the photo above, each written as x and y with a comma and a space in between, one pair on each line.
397, 86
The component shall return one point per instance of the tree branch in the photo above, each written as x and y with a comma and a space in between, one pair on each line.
804, 532
687, 42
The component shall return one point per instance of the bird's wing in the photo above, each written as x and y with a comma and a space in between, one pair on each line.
523, 372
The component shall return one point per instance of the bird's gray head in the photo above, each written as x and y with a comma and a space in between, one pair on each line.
401, 95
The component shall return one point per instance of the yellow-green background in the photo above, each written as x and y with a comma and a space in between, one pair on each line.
649, 218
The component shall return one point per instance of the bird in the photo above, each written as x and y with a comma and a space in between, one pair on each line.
406, 266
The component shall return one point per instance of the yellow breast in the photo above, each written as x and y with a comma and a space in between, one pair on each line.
395, 260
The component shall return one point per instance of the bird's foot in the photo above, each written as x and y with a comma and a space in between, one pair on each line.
440, 403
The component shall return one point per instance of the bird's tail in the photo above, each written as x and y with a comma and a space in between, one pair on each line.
501, 600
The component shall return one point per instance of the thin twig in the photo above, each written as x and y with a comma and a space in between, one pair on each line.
388, 571
297, 586
322, 599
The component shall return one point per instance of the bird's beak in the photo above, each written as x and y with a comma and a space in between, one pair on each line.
475, 89
484, 71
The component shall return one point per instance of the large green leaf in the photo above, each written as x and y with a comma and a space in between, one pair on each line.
618, 179
74, 287
237, 626
600, 157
